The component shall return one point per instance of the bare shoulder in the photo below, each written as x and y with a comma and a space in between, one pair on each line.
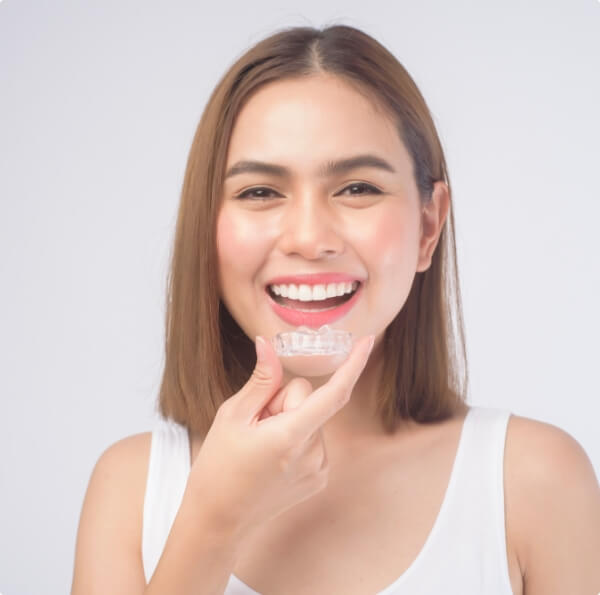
108, 550
545, 446
552, 508
130, 454
119, 478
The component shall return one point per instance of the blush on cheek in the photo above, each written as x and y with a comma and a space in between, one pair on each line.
396, 245
230, 251
226, 236
240, 247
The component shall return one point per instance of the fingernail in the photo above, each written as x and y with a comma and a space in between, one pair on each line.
260, 349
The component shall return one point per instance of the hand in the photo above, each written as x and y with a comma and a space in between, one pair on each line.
264, 452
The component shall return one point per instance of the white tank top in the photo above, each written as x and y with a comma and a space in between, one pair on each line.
464, 554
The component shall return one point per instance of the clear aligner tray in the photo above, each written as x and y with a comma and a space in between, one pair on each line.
306, 341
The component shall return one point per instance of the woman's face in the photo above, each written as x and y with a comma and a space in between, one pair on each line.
291, 219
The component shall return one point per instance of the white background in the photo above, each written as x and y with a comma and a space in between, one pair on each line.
98, 105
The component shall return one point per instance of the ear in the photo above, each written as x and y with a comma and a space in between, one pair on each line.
433, 217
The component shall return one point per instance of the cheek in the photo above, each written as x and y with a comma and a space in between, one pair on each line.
390, 243
240, 249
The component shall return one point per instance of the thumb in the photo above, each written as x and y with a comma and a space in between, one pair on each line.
265, 379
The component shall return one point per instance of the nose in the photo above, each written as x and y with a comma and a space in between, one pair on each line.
311, 229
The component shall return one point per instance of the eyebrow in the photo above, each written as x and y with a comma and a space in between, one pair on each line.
330, 168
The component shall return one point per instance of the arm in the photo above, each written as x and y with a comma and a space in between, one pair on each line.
246, 473
107, 554
556, 510
197, 557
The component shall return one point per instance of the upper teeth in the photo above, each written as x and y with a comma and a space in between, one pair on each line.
309, 293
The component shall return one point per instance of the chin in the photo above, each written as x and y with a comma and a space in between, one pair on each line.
312, 366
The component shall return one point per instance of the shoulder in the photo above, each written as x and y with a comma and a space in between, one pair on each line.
540, 454
544, 452
110, 525
119, 475
118, 479
552, 508
124, 456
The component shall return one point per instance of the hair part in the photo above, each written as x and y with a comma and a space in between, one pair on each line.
208, 356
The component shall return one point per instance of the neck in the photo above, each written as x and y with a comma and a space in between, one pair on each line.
358, 420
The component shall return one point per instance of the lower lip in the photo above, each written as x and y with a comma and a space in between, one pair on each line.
313, 319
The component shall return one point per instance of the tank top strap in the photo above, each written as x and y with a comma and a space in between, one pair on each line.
479, 486
474, 516
168, 471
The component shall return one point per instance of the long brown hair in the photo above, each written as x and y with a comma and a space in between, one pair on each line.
208, 356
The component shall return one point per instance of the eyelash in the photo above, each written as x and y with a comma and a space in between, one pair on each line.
245, 195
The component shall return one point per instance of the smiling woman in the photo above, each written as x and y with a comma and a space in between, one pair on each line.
374, 166
316, 192
318, 222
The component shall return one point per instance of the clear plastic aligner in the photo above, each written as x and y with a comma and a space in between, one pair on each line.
305, 341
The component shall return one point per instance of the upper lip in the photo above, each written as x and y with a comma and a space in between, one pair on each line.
314, 279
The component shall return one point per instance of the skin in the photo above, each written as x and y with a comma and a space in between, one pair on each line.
308, 224
552, 496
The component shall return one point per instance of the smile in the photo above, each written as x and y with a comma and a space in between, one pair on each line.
315, 305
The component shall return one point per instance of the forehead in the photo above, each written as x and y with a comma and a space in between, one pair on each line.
304, 122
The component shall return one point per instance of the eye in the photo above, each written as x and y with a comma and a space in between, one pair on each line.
260, 193
361, 185
256, 194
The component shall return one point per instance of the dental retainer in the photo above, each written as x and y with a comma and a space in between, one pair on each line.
306, 341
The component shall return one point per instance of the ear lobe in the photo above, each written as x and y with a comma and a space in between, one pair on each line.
433, 218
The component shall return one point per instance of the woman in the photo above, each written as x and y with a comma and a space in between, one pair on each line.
317, 164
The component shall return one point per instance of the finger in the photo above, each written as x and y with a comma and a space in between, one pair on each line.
288, 397
300, 390
264, 382
328, 399
294, 394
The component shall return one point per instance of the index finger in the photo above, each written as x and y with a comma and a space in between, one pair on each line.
328, 399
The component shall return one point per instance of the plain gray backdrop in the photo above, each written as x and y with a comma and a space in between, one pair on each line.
98, 105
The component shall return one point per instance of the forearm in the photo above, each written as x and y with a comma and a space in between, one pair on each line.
199, 556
